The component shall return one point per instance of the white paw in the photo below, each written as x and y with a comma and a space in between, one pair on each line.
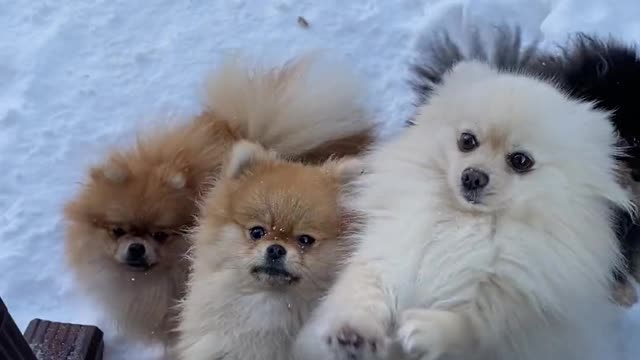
423, 333
357, 338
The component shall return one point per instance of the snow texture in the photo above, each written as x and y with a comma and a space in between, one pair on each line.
80, 76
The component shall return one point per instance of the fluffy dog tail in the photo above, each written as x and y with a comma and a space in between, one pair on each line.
301, 110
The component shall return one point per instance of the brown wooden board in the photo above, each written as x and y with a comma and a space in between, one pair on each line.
12, 345
62, 341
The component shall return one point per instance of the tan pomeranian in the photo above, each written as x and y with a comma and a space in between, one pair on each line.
126, 238
269, 242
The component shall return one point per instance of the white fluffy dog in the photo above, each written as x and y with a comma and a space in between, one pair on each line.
488, 231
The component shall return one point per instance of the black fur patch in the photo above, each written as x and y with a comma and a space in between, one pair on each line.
438, 54
608, 74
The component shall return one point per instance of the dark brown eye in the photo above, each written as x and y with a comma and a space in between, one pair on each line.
520, 162
257, 232
306, 240
160, 236
467, 142
118, 232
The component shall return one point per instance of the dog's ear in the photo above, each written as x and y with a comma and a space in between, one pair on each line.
176, 173
114, 170
177, 180
348, 169
174, 178
244, 156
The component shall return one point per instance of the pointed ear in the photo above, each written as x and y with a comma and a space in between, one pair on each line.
244, 156
348, 169
176, 172
177, 180
115, 170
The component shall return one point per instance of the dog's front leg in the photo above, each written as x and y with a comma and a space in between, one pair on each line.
474, 329
429, 334
354, 320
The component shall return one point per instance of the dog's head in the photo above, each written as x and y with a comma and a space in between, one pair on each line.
275, 222
131, 213
507, 141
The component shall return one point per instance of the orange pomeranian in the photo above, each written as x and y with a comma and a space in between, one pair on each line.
269, 242
126, 237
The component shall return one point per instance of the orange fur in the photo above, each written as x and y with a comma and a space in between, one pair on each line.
155, 185
137, 190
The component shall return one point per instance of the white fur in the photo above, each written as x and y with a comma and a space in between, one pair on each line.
239, 326
526, 277
291, 109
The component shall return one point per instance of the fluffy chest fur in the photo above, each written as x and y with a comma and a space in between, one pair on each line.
550, 264
141, 305
223, 317
459, 254
265, 313
259, 326
556, 256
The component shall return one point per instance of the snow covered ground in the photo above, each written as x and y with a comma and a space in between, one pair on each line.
77, 76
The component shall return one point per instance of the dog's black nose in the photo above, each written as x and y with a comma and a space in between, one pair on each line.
276, 252
474, 179
135, 252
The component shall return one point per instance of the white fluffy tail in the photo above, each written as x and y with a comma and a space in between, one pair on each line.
294, 109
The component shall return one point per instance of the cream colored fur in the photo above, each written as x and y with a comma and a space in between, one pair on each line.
525, 277
230, 313
297, 109
292, 109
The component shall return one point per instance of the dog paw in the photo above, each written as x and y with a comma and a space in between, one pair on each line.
357, 339
423, 333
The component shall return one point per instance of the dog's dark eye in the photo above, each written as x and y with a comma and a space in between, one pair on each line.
160, 236
467, 142
520, 162
118, 232
306, 240
257, 232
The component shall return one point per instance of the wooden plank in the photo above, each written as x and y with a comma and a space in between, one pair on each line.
53, 341
13, 346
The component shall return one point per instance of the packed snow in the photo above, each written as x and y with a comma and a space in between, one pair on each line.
80, 76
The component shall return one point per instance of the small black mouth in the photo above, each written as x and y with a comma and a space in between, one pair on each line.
274, 273
139, 266
472, 197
